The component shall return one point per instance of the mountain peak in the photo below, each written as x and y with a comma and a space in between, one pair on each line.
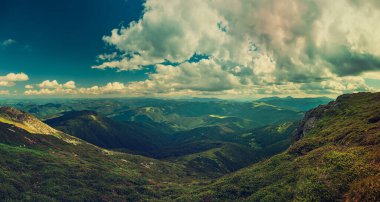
25, 121
12, 111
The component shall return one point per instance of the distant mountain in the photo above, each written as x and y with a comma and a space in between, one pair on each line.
100, 130
217, 150
214, 144
214, 151
180, 115
183, 116
271, 139
331, 154
52, 109
302, 104
200, 99
336, 158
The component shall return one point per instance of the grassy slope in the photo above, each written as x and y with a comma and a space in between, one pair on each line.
337, 158
215, 162
36, 167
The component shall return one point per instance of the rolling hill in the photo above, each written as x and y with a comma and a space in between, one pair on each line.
302, 104
211, 150
134, 137
183, 116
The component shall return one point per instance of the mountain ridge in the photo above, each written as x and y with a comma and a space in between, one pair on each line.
335, 158
25, 120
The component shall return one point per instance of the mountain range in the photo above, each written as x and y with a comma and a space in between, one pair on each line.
134, 150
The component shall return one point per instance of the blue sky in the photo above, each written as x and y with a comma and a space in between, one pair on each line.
176, 48
61, 39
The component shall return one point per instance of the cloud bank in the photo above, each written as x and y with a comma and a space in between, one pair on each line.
250, 47
53, 87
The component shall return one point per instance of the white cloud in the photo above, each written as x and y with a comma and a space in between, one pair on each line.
371, 75
337, 85
46, 91
124, 64
53, 84
15, 77
49, 84
11, 79
267, 45
28, 86
253, 48
7, 83
111, 56
206, 75
54, 88
69, 84
109, 88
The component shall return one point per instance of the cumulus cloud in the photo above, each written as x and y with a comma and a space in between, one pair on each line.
47, 91
69, 84
338, 85
69, 88
51, 87
11, 79
47, 84
206, 75
267, 45
29, 86
109, 88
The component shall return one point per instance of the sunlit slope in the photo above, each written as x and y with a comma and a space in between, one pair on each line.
47, 167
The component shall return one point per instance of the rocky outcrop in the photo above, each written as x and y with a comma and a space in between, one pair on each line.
310, 118
26, 121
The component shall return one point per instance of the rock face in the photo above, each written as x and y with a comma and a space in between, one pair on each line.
310, 118
25, 121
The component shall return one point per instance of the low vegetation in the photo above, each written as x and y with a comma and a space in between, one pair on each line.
330, 155
337, 158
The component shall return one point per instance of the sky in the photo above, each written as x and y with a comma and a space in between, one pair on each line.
179, 48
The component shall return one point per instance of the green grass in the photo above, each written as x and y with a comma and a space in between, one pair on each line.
54, 170
337, 160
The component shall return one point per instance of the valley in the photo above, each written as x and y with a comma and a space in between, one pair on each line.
143, 150
189, 101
